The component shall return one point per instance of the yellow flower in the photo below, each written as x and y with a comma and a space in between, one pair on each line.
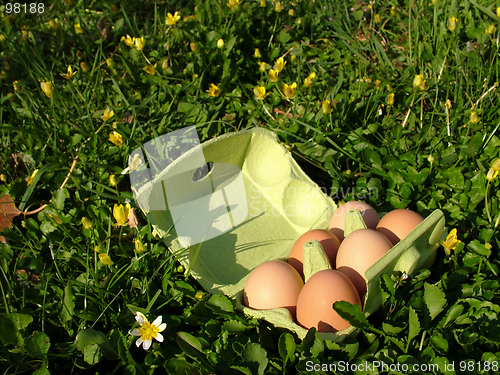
47, 88
148, 331
448, 104
260, 92
54, 24
139, 246
69, 74
140, 43
113, 181
116, 138
79, 54
492, 174
213, 90
473, 117
97, 249
377, 18
199, 295
277, 7
452, 24
451, 242
498, 12
257, 53
390, 98
121, 213
233, 4
491, 29
105, 259
419, 82
56, 218
430, 158
134, 164
279, 64
389, 87
262, 3
108, 113
110, 62
172, 20
150, 69
87, 224
193, 47
78, 28
2, 38
393, 10
128, 40
273, 75
29, 180
84, 66
290, 90
262, 66
3, 74
220, 43
308, 82
494, 170
17, 88
293, 58
325, 107
3, 177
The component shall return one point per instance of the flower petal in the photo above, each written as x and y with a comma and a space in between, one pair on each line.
140, 318
138, 342
147, 344
162, 327
159, 337
157, 321
134, 332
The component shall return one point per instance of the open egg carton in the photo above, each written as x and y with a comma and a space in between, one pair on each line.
250, 208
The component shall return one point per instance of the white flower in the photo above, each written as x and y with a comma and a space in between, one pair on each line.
148, 331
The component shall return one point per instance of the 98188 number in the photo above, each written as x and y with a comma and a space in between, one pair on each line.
25, 8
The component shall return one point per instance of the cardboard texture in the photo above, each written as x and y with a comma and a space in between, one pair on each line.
273, 204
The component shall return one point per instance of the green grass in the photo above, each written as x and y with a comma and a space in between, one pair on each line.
62, 310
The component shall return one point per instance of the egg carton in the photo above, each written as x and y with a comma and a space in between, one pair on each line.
258, 201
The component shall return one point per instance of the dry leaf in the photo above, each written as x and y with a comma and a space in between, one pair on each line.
8, 211
132, 220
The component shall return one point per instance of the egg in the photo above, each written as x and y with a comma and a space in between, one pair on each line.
271, 285
328, 241
358, 252
396, 224
370, 216
320, 292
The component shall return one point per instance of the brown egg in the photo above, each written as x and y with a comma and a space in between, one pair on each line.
271, 285
337, 221
358, 252
321, 291
396, 224
328, 241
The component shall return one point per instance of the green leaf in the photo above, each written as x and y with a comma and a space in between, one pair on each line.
479, 248
253, 352
92, 354
440, 344
90, 336
283, 37
38, 344
220, 305
434, 299
68, 304
312, 343
234, 326
9, 335
193, 348
351, 313
20, 321
59, 198
286, 347
413, 324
